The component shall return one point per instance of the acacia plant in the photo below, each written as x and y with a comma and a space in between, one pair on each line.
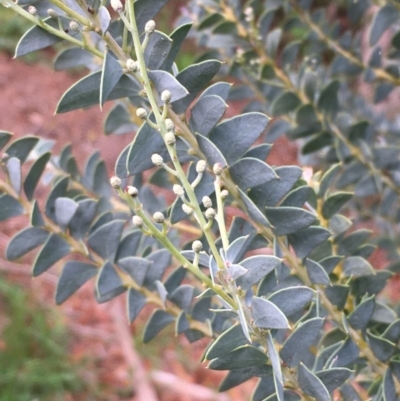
284, 291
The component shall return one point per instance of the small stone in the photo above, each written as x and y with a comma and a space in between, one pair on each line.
201, 166
207, 202
170, 138
157, 159
210, 213
166, 96
150, 27
132, 191
137, 221
141, 113
115, 182
197, 246
158, 217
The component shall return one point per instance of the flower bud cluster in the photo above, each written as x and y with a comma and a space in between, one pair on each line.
166, 96
178, 190
197, 246
158, 217
170, 138
132, 65
169, 125
150, 27
207, 202
210, 213
117, 6
137, 221
141, 113
157, 159
201, 166
74, 26
52, 13
115, 182
217, 168
224, 194
187, 209
132, 191
32, 10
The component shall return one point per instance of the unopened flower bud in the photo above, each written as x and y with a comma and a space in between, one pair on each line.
52, 13
169, 124
150, 27
166, 96
157, 159
32, 11
217, 169
132, 65
132, 191
197, 246
224, 194
117, 6
137, 221
187, 209
178, 190
141, 113
115, 182
201, 166
249, 14
207, 202
210, 213
170, 138
158, 217
74, 26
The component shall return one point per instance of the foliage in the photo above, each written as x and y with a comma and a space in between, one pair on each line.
35, 351
285, 292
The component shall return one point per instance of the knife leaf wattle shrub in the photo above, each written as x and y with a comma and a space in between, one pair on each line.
285, 291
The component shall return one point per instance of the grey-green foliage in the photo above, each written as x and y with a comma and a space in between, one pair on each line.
327, 73
290, 296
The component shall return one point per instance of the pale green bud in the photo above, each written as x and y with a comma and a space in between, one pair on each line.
158, 217
224, 194
166, 96
52, 13
132, 191
157, 159
74, 26
217, 168
115, 182
187, 209
210, 213
178, 190
170, 138
137, 221
201, 166
169, 125
132, 65
150, 27
207, 202
197, 246
117, 6
32, 11
141, 113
